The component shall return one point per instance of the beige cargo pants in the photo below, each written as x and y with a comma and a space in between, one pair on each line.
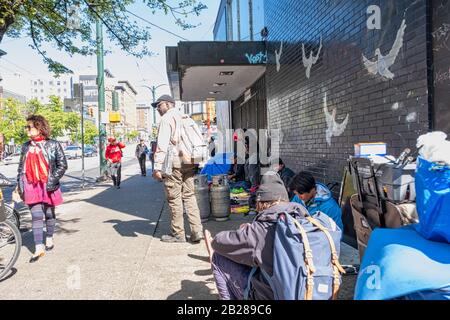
180, 189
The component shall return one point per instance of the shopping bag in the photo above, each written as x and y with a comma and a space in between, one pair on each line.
433, 200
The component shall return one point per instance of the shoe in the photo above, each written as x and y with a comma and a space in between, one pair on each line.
49, 248
170, 238
36, 258
196, 237
118, 187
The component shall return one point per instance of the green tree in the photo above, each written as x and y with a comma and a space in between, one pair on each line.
12, 121
13, 118
90, 132
66, 23
132, 135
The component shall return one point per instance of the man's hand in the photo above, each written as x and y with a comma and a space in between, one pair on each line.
244, 225
157, 175
208, 240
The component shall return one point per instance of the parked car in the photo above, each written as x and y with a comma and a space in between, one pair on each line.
12, 159
72, 152
90, 151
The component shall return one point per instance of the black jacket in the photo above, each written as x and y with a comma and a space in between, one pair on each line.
57, 162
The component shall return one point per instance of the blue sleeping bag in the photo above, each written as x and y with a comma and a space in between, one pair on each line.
219, 164
400, 263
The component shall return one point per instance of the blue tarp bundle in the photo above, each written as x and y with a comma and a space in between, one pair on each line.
432, 183
400, 262
219, 164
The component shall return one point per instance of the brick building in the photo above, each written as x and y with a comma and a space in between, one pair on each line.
335, 73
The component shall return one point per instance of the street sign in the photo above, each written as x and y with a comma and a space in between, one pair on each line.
114, 117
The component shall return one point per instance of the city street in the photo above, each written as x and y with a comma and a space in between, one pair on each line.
107, 247
333, 112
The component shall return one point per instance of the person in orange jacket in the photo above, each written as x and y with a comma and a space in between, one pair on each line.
114, 157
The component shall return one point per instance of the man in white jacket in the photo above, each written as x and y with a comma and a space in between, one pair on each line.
179, 182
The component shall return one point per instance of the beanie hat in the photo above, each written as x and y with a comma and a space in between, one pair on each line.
272, 188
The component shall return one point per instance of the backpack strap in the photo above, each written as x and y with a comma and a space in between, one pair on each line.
249, 283
310, 268
337, 268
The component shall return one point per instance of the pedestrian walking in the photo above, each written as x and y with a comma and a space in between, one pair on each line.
141, 154
152, 153
178, 176
42, 164
114, 157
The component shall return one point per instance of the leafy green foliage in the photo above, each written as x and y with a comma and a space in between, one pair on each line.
132, 135
68, 24
13, 116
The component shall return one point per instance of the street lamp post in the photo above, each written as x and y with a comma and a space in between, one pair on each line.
101, 97
153, 90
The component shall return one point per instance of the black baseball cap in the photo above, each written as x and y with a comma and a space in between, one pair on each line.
165, 98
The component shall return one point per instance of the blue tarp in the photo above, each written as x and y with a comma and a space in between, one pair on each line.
219, 164
433, 200
399, 262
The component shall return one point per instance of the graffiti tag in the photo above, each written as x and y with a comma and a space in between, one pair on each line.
258, 58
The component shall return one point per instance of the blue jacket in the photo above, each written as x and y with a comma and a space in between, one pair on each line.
325, 203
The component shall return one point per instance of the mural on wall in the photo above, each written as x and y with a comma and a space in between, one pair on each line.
441, 37
278, 54
334, 129
381, 64
311, 60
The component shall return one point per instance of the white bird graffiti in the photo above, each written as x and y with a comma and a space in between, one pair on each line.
311, 60
381, 64
278, 54
334, 129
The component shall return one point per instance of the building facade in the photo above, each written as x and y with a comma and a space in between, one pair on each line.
44, 87
325, 88
144, 120
336, 73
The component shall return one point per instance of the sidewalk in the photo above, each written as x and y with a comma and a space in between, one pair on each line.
107, 247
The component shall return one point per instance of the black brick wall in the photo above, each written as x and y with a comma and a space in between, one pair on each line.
440, 34
295, 103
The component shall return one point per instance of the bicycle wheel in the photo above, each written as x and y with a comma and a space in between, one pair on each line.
10, 246
12, 215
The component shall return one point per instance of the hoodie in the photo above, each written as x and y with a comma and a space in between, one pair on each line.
323, 202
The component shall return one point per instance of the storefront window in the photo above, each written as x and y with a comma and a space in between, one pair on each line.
220, 32
244, 9
235, 9
258, 19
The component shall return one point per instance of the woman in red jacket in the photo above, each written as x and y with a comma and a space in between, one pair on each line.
114, 157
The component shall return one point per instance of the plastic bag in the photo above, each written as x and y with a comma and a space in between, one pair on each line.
434, 147
433, 200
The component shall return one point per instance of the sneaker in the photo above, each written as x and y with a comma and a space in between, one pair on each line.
196, 237
171, 238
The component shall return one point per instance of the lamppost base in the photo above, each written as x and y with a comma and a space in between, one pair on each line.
102, 178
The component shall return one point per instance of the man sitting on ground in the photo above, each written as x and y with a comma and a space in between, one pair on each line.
315, 197
234, 253
237, 171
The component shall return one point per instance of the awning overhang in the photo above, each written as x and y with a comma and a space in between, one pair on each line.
200, 71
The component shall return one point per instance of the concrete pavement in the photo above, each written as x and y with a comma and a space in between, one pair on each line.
107, 247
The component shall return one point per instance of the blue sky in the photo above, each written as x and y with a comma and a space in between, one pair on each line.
149, 70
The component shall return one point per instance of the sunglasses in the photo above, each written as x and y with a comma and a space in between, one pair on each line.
28, 127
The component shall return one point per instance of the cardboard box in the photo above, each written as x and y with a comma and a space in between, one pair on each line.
365, 149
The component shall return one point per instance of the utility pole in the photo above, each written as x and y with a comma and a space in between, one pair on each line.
82, 135
101, 98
